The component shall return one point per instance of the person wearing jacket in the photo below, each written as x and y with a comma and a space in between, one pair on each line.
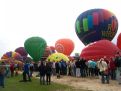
104, 70
42, 72
2, 74
48, 72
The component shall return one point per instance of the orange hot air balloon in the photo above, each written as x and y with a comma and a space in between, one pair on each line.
65, 46
119, 41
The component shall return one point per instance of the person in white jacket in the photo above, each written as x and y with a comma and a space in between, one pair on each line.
103, 67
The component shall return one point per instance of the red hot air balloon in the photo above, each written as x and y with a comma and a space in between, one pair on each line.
119, 41
99, 49
65, 46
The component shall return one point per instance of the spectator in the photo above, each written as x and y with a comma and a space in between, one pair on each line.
77, 63
58, 69
42, 72
103, 66
26, 75
48, 73
12, 69
2, 74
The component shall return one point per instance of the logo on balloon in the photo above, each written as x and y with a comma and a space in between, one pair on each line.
59, 48
96, 24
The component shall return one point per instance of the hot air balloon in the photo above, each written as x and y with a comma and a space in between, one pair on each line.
96, 24
52, 49
11, 57
11, 54
119, 41
48, 51
99, 49
56, 57
35, 46
65, 46
21, 51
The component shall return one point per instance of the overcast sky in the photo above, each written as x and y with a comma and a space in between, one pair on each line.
49, 19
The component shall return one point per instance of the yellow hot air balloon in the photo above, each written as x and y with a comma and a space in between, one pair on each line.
56, 57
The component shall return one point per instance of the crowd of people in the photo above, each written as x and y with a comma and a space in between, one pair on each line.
105, 68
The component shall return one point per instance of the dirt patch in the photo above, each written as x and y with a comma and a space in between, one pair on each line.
88, 83
93, 84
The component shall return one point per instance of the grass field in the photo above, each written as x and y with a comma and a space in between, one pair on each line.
13, 84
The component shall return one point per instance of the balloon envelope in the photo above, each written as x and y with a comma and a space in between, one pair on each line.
14, 55
21, 51
65, 46
52, 49
35, 46
57, 57
119, 41
96, 24
47, 52
99, 49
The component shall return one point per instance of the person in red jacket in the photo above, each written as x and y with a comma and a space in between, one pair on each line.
112, 67
12, 69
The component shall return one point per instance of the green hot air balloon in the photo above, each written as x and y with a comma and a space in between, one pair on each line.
35, 46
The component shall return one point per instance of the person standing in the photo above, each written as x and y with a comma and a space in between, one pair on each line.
7, 73
112, 67
31, 69
118, 66
48, 73
26, 72
58, 69
104, 70
42, 72
82, 67
77, 63
2, 74
53, 69
12, 69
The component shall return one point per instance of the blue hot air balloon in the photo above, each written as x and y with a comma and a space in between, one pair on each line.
96, 24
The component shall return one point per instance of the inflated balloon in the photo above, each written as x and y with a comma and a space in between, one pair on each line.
47, 52
99, 49
119, 41
35, 46
65, 46
56, 57
52, 49
96, 24
11, 54
21, 51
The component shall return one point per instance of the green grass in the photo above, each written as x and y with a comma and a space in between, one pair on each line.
13, 84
